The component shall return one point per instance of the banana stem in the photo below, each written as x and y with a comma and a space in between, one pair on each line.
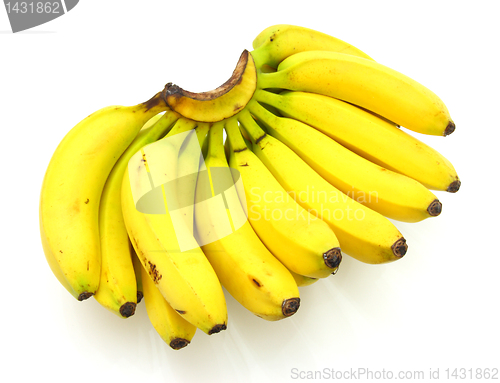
164, 125
269, 98
154, 104
251, 127
216, 141
269, 80
234, 136
265, 116
260, 57
182, 125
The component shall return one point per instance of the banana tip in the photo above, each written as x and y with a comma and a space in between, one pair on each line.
217, 328
127, 309
178, 343
85, 295
140, 295
400, 247
435, 208
333, 257
450, 128
454, 186
290, 306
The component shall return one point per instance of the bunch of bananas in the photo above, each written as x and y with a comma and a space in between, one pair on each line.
314, 137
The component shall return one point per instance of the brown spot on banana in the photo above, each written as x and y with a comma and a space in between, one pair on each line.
220, 103
154, 273
260, 138
256, 282
182, 312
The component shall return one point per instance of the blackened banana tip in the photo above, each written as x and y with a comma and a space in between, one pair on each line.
217, 328
454, 186
140, 295
178, 343
290, 306
333, 257
435, 208
450, 128
85, 295
127, 309
400, 247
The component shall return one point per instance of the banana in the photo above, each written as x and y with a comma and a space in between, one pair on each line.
138, 274
172, 328
72, 187
220, 103
245, 267
363, 233
118, 286
276, 43
391, 194
369, 136
302, 242
189, 164
365, 83
302, 280
185, 278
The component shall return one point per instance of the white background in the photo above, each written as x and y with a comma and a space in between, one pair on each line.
435, 308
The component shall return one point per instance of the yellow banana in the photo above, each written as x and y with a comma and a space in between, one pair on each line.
369, 136
185, 278
72, 187
391, 194
302, 280
172, 328
301, 241
118, 287
276, 43
138, 274
245, 267
220, 103
365, 83
363, 233
189, 163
